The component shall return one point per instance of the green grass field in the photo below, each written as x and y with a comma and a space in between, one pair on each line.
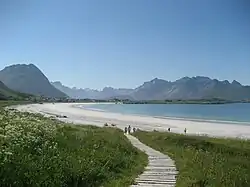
204, 161
38, 151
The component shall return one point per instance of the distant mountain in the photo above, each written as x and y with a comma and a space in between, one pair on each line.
152, 90
186, 88
28, 79
192, 88
6, 93
106, 93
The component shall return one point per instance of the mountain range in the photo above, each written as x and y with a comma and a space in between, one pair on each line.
31, 80
186, 88
106, 93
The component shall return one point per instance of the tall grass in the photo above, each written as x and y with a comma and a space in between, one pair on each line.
204, 161
38, 151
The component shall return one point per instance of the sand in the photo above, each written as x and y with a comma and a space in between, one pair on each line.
84, 116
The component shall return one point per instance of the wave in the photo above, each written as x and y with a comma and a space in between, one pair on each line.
89, 108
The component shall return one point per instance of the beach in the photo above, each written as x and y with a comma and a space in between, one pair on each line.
80, 116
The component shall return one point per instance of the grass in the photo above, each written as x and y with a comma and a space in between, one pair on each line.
204, 161
4, 103
39, 151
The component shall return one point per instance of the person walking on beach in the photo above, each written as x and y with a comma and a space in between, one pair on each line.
185, 130
134, 129
129, 129
168, 129
126, 130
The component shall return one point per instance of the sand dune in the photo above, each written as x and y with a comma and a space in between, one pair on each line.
84, 116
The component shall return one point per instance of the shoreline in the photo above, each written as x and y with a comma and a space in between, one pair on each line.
246, 123
148, 123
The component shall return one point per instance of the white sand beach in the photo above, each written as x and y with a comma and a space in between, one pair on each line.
83, 116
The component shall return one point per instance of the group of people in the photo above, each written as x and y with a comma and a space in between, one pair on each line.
185, 130
129, 130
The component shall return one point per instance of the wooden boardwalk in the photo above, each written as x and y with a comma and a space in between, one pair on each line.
160, 171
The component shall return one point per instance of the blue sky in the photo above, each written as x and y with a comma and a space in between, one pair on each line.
123, 43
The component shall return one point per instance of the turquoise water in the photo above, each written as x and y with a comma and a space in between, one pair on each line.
239, 112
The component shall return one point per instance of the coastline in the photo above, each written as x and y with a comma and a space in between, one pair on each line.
149, 123
235, 122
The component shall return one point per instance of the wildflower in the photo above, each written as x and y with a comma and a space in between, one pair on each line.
2, 136
8, 153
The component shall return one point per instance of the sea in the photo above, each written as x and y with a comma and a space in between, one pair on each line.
237, 112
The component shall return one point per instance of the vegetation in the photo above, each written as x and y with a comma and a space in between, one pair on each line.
179, 101
204, 161
39, 151
126, 101
176, 101
7, 94
4, 103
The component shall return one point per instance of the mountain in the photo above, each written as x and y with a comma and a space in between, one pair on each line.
106, 93
76, 93
152, 90
6, 93
192, 88
28, 79
186, 88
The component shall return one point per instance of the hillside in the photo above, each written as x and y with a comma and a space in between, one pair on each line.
6, 93
28, 79
186, 88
